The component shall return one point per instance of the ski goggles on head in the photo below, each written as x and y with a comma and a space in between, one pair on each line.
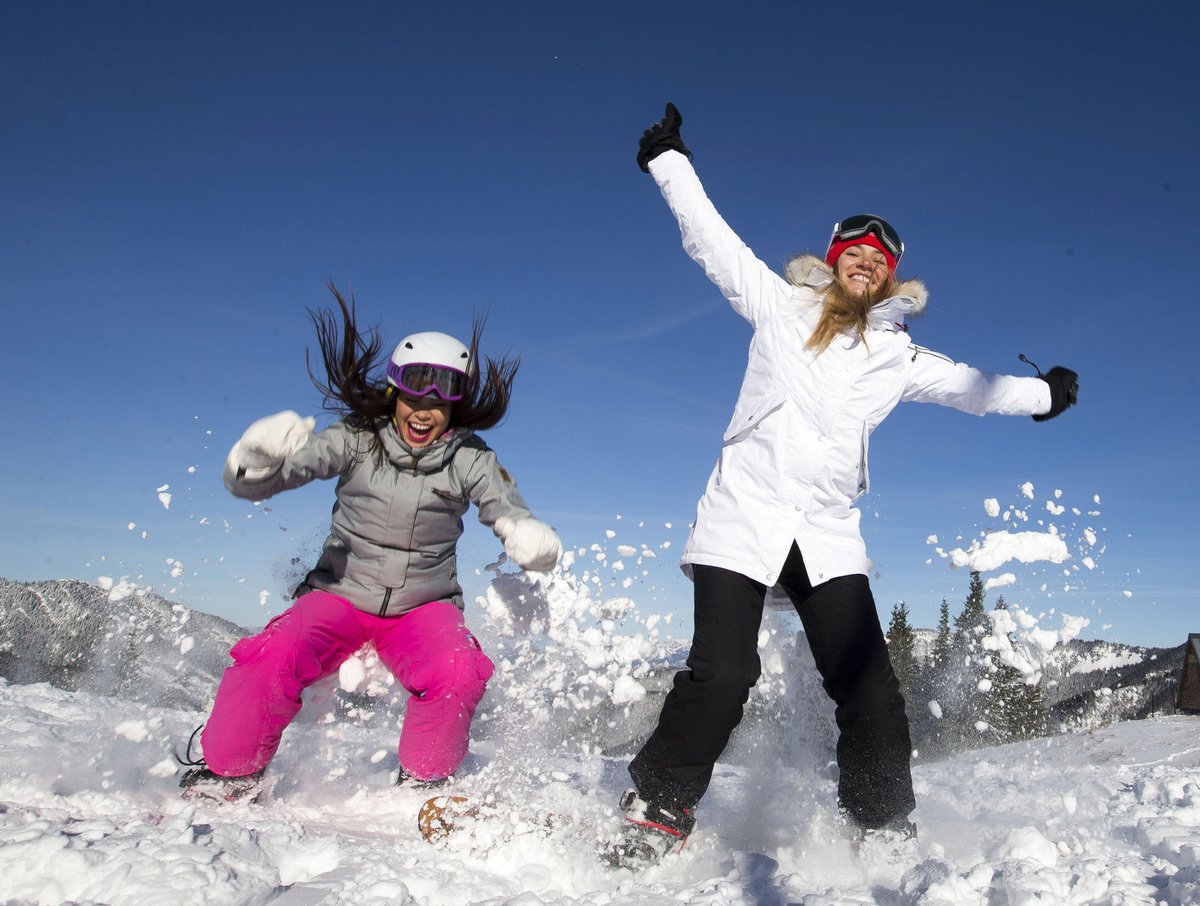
861, 225
420, 379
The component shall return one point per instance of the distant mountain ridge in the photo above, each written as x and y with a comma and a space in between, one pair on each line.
1088, 683
134, 644
125, 642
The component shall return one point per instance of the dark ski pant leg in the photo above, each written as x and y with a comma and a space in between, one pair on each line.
848, 646
705, 703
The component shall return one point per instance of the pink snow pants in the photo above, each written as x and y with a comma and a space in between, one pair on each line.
428, 650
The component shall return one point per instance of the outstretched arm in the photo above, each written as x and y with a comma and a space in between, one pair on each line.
280, 452
752, 288
934, 378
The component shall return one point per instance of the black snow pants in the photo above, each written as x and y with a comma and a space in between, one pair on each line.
705, 703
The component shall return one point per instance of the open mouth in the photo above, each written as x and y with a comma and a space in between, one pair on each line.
418, 433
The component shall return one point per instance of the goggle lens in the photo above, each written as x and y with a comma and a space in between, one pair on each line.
422, 380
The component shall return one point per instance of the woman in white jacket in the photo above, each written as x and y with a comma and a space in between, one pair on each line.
829, 359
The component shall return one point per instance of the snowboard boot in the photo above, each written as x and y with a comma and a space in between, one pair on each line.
890, 841
410, 782
650, 832
201, 783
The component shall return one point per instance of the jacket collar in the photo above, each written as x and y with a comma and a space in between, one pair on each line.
427, 459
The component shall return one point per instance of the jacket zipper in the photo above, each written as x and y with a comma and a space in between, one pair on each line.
387, 596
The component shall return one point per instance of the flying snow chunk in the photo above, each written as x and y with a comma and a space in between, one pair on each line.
932, 539
1001, 581
627, 690
935, 708
165, 499
1027, 489
1054, 509
999, 548
626, 550
351, 674
133, 730
991, 506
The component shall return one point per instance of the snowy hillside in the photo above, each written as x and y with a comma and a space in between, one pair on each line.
90, 809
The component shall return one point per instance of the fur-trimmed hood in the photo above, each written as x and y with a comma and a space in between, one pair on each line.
908, 298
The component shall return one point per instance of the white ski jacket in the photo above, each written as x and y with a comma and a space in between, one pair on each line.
795, 453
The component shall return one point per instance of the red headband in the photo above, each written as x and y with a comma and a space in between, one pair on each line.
836, 249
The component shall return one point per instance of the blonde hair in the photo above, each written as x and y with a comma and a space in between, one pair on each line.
842, 312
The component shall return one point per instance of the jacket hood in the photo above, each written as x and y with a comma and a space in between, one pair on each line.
908, 298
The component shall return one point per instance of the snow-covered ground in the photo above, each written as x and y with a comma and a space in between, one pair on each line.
92, 815
90, 810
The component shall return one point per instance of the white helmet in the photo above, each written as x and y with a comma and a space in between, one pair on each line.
430, 362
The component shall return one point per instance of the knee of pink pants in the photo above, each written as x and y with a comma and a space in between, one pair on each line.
440, 663
260, 693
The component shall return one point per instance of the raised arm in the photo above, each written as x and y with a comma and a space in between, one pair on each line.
752, 288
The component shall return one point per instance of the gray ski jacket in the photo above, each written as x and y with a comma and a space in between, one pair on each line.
396, 523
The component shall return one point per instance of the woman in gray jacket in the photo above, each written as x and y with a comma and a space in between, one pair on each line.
408, 465
829, 359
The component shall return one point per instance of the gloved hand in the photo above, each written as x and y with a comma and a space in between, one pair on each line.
531, 544
268, 442
660, 137
1064, 391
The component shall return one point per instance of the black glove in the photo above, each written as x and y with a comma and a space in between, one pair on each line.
1064, 391
662, 136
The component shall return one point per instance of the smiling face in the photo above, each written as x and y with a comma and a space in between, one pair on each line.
421, 419
861, 269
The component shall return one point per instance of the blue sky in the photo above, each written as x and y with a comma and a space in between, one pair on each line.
181, 182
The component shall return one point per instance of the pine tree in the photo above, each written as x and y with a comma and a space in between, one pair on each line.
972, 616
942, 641
902, 642
963, 702
1015, 709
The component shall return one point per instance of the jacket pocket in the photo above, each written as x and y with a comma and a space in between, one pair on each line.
747, 417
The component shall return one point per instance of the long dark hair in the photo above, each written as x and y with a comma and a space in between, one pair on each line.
351, 356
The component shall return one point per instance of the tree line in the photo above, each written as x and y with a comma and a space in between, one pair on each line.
960, 696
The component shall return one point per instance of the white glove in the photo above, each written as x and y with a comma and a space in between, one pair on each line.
268, 442
531, 544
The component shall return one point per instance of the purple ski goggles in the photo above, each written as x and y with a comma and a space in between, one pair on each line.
421, 379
